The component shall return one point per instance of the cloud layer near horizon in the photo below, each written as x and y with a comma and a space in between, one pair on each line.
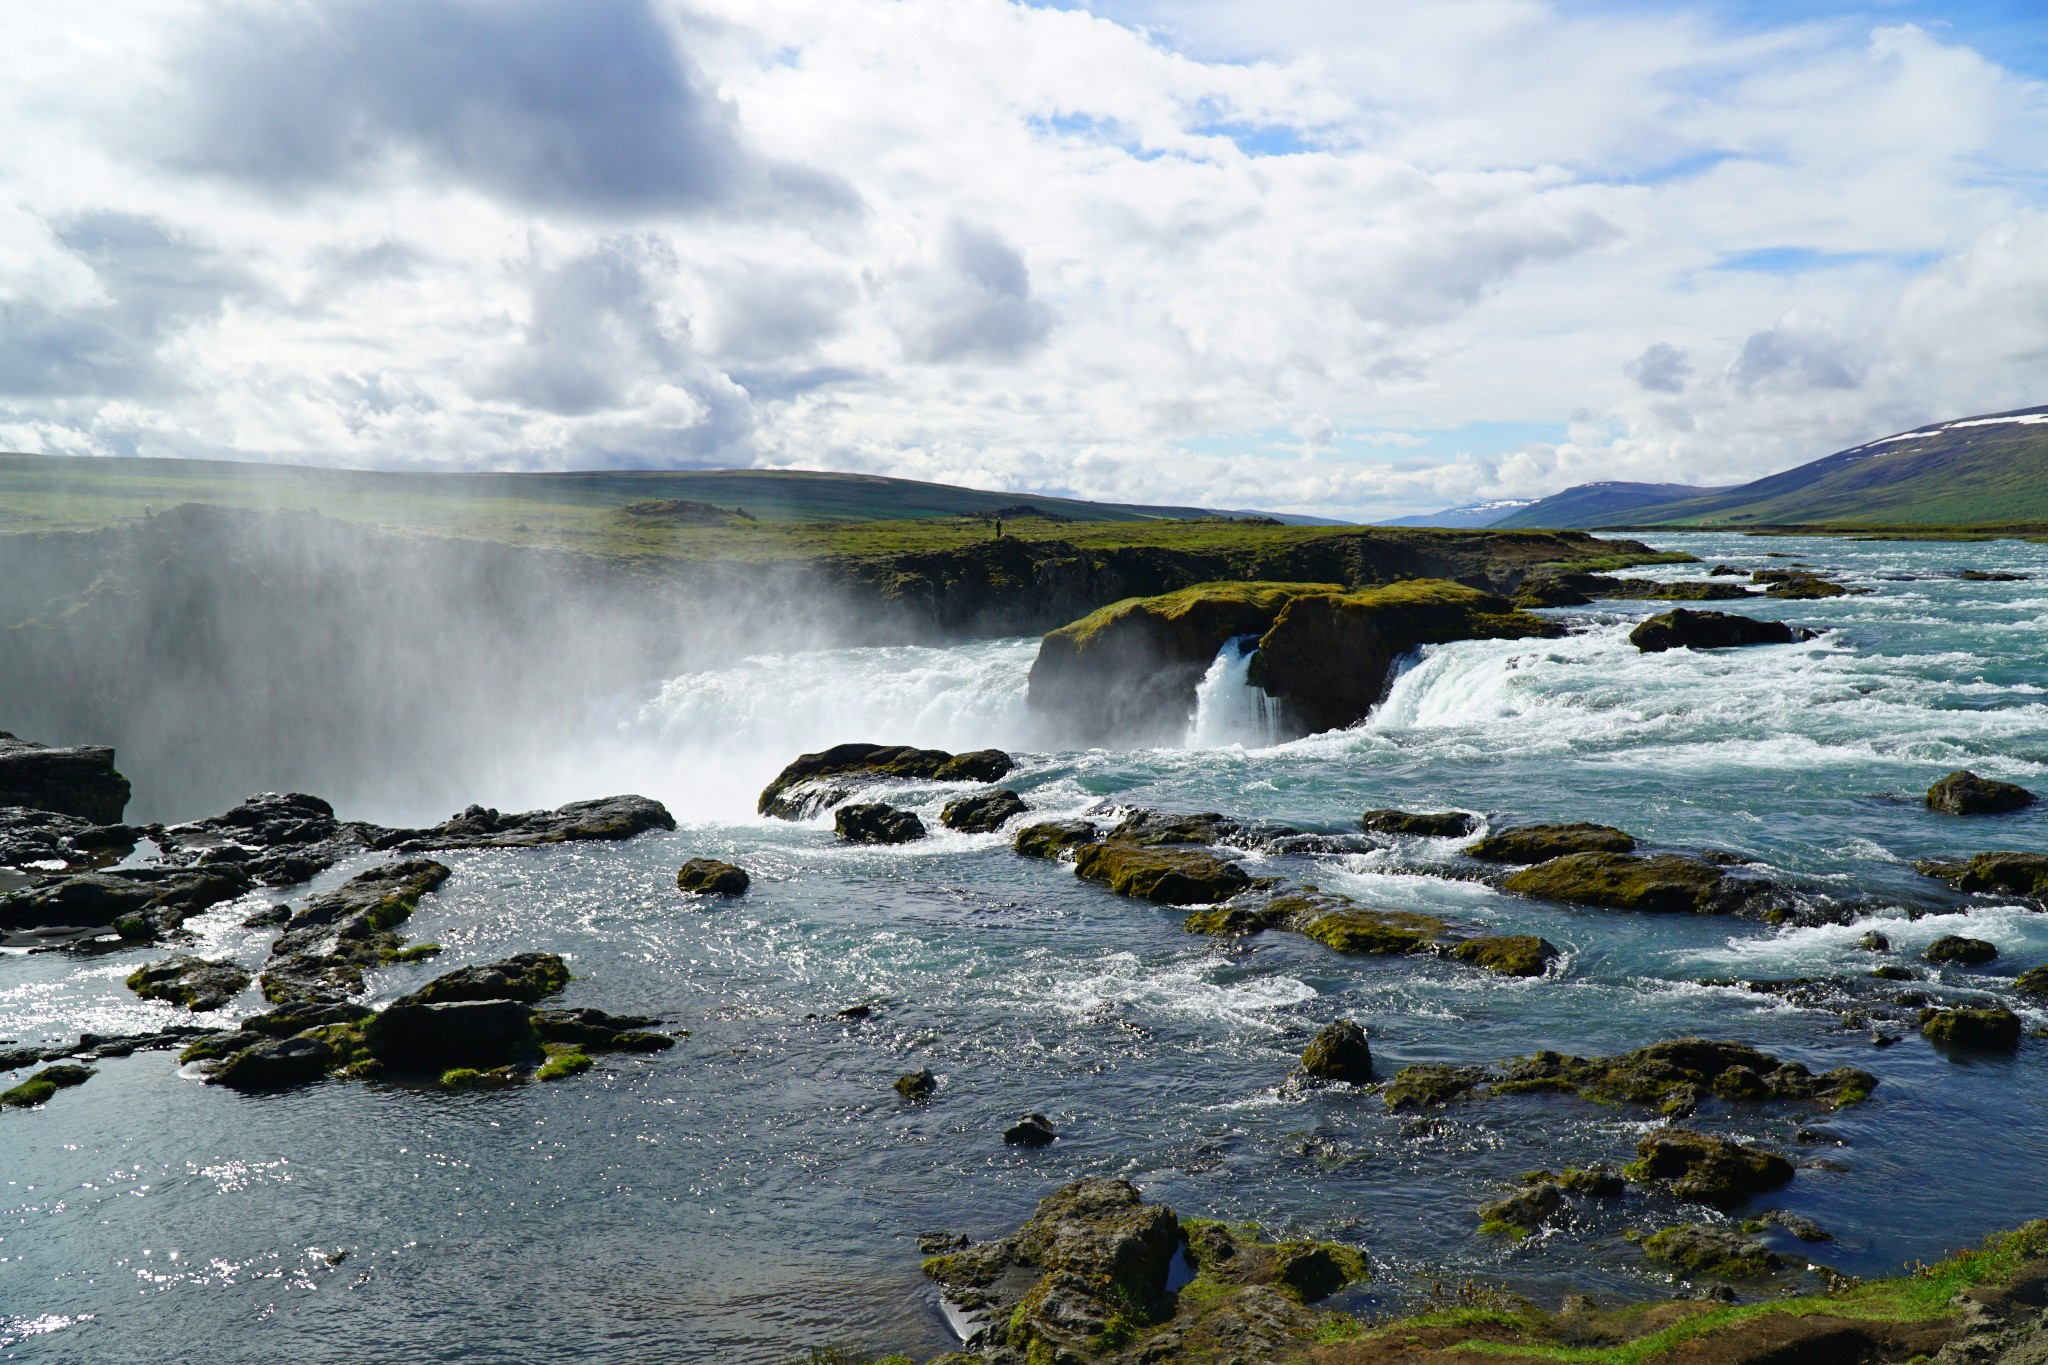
1352, 259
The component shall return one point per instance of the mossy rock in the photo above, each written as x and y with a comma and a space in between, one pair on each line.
1675, 1073
712, 877
1893, 972
1805, 588
562, 1064
1962, 792
1234, 921
1508, 954
2033, 982
1339, 1052
917, 1086
525, 977
1711, 1252
1662, 883
1523, 1211
1429, 1084
193, 982
1595, 1181
1706, 1168
800, 790
1167, 876
1956, 950
1375, 931
875, 822
1432, 825
43, 1086
1540, 843
1992, 1028
2017, 874
1051, 838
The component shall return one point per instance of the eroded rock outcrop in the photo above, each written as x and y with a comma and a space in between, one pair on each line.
79, 781
139, 903
1428, 825
1165, 875
712, 877
1539, 843
1707, 1168
194, 982
819, 781
320, 957
1657, 883
1128, 672
983, 812
2016, 874
875, 822
604, 819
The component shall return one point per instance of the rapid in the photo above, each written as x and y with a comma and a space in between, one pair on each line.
760, 1189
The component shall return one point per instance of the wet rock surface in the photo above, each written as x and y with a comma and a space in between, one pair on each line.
1540, 843
819, 781
79, 781
712, 877
1508, 954
1682, 629
1430, 825
604, 819
1051, 838
1338, 1052
983, 812
1165, 875
1087, 1279
1706, 1168
193, 982
875, 823
1660, 883
1712, 1251
140, 903
2017, 874
320, 956
1990, 1028
1960, 951
1962, 792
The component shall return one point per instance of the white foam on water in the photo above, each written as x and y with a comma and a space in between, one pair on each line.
1184, 989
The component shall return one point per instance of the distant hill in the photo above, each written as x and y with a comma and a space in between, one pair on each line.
40, 491
1974, 471
1468, 517
1599, 504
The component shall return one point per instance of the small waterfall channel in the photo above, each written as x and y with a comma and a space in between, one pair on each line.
1229, 709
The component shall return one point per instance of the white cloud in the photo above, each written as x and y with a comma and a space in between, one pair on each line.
1014, 246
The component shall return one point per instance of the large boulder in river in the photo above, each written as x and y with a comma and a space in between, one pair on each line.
138, 903
877, 823
712, 877
78, 781
1992, 1028
819, 781
193, 982
523, 976
982, 812
1051, 838
1508, 954
1168, 876
1682, 629
432, 1037
2016, 874
1962, 792
1663, 883
1128, 672
1449, 824
1339, 1052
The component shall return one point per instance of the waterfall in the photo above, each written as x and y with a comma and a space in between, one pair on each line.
1229, 710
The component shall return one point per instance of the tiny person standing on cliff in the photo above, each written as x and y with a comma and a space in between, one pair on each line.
999, 528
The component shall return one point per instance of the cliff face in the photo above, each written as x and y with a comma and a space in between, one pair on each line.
1128, 672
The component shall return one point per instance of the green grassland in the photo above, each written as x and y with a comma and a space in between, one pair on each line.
732, 516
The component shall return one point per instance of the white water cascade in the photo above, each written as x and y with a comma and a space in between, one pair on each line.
1229, 710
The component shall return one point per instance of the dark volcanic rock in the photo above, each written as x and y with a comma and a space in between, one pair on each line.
1054, 837
1339, 1052
609, 818
524, 976
79, 781
1439, 825
1675, 1074
193, 982
1666, 883
709, 876
1538, 843
320, 956
34, 839
1706, 1168
595, 1031
2033, 982
274, 1064
1153, 828
1168, 876
279, 838
434, 1037
1682, 629
1033, 1130
815, 782
876, 823
1962, 792
1964, 952
1508, 954
1524, 1210
1802, 587
140, 903
983, 812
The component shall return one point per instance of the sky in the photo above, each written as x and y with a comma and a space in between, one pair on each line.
1358, 259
